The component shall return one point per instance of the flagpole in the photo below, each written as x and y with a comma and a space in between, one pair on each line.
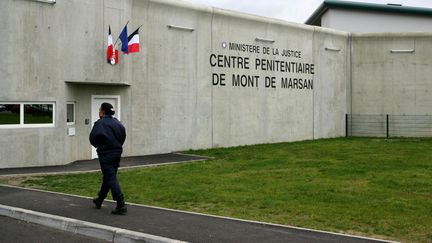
119, 36
120, 33
136, 30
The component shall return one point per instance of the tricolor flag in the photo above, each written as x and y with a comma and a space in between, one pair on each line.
114, 58
110, 51
133, 41
124, 40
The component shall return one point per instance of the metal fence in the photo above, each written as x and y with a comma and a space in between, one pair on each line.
389, 125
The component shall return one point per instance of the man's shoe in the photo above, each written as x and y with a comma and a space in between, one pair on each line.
97, 202
120, 210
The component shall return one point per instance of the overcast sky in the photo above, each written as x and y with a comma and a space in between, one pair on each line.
291, 10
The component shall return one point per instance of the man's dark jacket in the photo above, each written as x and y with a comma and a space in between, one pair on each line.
108, 135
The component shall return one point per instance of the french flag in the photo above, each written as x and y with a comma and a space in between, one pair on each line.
124, 39
110, 49
114, 59
133, 41
112, 55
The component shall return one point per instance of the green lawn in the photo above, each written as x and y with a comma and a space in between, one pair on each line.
367, 186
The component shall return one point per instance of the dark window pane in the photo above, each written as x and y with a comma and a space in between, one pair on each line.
70, 113
38, 114
9, 114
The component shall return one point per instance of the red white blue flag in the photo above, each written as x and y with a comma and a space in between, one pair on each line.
124, 40
133, 42
110, 49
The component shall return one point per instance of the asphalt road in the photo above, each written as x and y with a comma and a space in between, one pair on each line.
13, 230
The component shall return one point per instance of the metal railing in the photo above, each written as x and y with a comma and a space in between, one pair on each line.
388, 125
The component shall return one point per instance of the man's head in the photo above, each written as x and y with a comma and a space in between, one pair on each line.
106, 109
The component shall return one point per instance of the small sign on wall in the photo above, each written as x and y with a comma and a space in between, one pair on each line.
71, 131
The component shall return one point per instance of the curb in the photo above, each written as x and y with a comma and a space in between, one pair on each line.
108, 233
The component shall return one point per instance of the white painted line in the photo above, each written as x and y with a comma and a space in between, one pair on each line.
194, 155
161, 164
51, 192
51, 173
108, 233
216, 216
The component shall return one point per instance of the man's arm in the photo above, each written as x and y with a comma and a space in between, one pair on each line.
96, 135
123, 137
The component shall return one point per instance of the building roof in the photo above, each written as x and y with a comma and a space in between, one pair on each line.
389, 8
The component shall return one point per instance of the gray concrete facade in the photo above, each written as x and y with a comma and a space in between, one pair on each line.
171, 93
391, 74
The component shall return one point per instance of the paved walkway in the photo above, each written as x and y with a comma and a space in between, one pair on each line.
166, 223
161, 222
92, 165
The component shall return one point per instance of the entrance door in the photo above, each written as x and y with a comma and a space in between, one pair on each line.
97, 100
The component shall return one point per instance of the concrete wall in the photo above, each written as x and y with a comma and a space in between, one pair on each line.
374, 22
395, 83
169, 100
246, 115
332, 98
391, 83
171, 88
28, 72
57, 53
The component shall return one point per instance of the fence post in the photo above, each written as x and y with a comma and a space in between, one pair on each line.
387, 125
346, 125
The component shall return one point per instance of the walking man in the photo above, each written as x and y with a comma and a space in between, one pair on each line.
108, 136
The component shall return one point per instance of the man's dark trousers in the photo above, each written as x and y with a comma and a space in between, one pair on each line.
109, 165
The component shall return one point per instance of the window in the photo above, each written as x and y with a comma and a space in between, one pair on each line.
26, 114
70, 113
38, 113
9, 114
